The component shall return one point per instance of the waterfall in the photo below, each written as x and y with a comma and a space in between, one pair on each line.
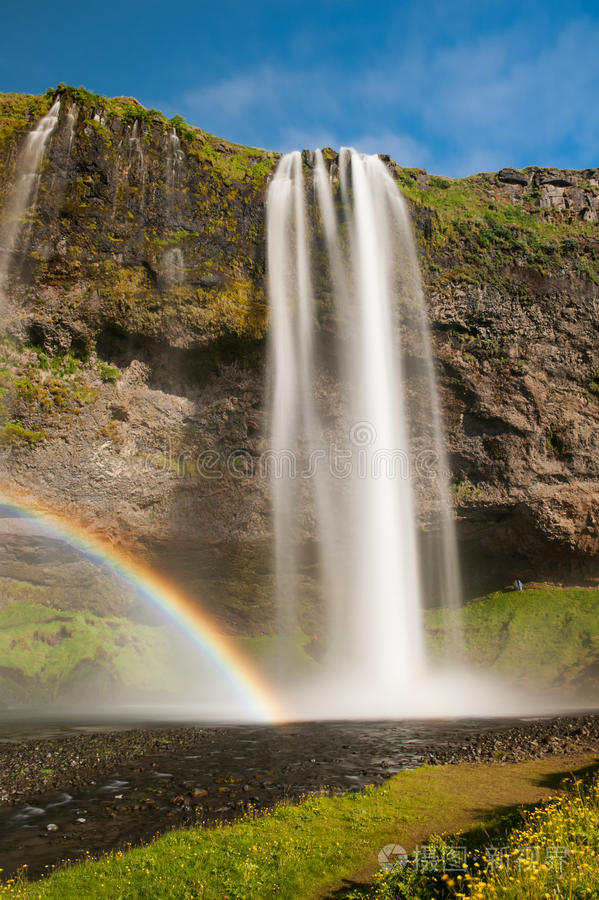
174, 164
136, 150
71, 121
172, 267
24, 193
347, 461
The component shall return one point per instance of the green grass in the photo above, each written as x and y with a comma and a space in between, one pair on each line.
43, 648
545, 636
37, 388
238, 162
108, 373
492, 233
542, 636
15, 433
18, 112
305, 850
567, 824
460, 200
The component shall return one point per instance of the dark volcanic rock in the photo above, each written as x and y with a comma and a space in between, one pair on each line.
512, 176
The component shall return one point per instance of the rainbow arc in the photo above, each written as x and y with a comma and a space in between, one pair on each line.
260, 702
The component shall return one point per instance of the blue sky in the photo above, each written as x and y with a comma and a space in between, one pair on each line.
455, 87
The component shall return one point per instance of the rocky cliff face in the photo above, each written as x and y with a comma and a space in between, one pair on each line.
514, 305
133, 363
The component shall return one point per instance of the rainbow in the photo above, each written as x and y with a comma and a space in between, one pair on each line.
260, 702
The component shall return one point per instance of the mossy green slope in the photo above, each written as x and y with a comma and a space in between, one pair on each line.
494, 233
543, 636
50, 654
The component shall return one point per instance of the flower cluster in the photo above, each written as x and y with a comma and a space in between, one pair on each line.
554, 854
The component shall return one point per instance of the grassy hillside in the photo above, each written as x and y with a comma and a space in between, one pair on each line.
493, 232
50, 654
543, 636
528, 865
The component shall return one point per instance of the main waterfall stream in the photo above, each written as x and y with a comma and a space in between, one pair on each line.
352, 463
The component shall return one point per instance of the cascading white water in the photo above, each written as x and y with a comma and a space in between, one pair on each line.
71, 121
352, 248
172, 267
174, 163
136, 150
24, 193
449, 587
173, 260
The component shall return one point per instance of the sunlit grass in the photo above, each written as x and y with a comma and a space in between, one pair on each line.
543, 636
43, 648
554, 854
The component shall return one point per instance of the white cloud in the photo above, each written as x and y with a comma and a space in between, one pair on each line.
233, 96
502, 95
291, 95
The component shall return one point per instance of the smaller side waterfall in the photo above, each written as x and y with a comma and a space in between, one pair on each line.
174, 163
71, 121
173, 174
24, 193
137, 155
172, 267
